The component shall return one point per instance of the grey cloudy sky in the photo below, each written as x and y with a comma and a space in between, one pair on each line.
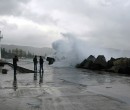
105, 23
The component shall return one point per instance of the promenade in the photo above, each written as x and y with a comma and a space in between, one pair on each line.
61, 89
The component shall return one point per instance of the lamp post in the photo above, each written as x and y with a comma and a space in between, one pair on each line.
1, 37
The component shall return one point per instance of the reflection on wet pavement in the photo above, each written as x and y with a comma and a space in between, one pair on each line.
64, 89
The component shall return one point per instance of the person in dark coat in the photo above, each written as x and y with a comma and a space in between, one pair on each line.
15, 60
41, 63
35, 63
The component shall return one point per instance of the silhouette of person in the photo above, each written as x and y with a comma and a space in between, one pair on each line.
35, 63
41, 64
15, 60
41, 61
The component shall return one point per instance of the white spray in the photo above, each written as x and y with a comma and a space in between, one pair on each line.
71, 50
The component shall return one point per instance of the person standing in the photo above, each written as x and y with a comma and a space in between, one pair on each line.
15, 60
41, 64
41, 61
35, 63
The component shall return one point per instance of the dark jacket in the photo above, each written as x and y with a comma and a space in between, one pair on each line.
41, 61
35, 60
15, 60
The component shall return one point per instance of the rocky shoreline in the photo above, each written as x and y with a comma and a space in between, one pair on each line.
115, 65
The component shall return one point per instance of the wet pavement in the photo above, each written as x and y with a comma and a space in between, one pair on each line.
64, 89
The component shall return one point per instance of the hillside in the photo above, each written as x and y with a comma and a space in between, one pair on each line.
33, 50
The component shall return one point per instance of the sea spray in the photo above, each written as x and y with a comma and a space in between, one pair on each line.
71, 50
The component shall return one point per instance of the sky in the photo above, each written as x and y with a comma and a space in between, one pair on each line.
39, 23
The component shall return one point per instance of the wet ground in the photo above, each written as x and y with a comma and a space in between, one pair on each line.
64, 89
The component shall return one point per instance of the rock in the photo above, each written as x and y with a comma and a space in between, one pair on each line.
78, 66
121, 65
50, 60
110, 63
114, 69
81, 65
101, 60
122, 62
86, 63
89, 62
125, 70
99, 63
91, 58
